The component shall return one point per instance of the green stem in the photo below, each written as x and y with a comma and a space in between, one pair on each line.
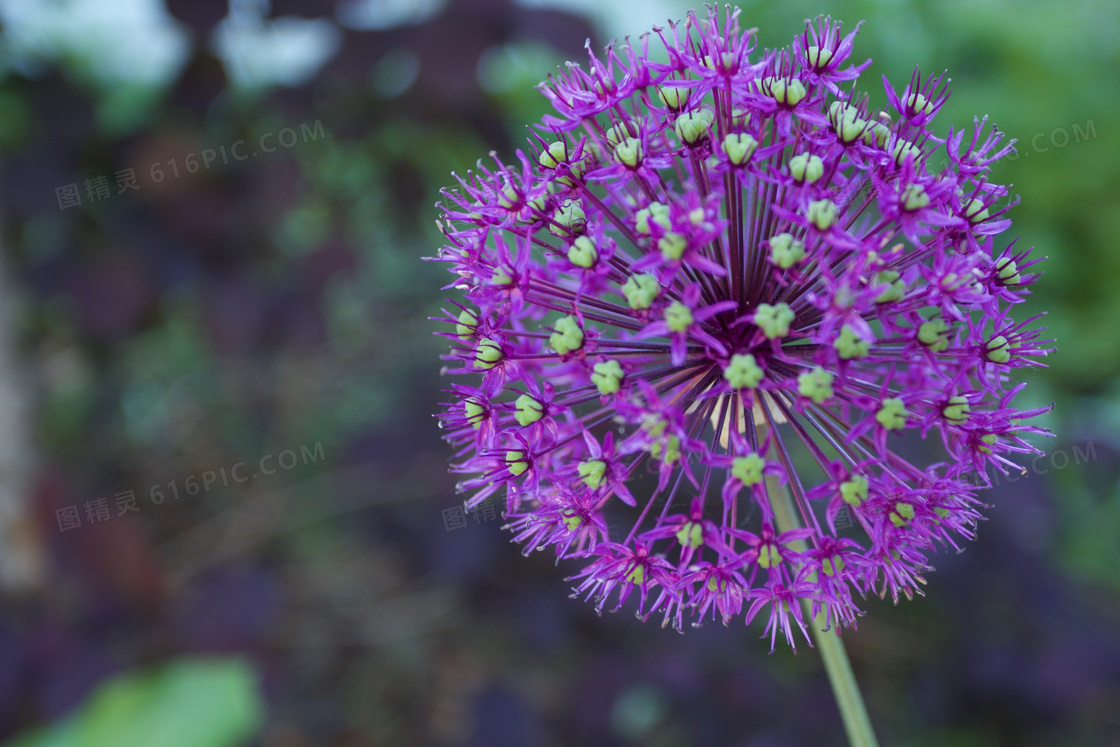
844, 686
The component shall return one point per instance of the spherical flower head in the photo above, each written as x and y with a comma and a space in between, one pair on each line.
705, 271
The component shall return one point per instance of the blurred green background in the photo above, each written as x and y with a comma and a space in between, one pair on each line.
224, 502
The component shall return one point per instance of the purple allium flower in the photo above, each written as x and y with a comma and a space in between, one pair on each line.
721, 271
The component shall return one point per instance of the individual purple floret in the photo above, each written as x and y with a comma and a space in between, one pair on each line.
707, 271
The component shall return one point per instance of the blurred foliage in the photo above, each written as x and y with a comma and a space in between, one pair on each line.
277, 302
188, 703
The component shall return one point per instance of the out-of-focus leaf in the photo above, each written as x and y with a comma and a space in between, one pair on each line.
187, 703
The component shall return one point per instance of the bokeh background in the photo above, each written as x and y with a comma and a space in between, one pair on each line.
225, 517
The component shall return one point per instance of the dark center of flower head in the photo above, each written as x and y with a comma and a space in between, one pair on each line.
715, 269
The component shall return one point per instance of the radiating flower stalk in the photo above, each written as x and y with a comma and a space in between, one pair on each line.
727, 270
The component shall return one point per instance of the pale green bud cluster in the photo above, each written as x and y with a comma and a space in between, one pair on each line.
607, 377
774, 321
487, 354
786, 251
674, 98
892, 414
822, 214
692, 127
582, 253
855, 491
934, 334
806, 167
815, 385
569, 219
629, 152
466, 325
672, 245
748, 469
739, 146
527, 410
895, 289
655, 212
743, 372
641, 290
956, 410
849, 345
567, 337
592, 473
678, 317
998, 349
786, 91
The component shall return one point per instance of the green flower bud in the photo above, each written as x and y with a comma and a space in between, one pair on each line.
850, 128
692, 127
815, 385
475, 412
832, 566
748, 469
774, 321
998, 349
620, 133
654, 425
672, 245
572, 521
822, 214
855, 491
742, 372
528, 410
569, 219
987, 441
768, 555
975, 212
678, 317
895, 289
607, 376
487, 354
877, 135
806, 167
501, 277
655, 212
691, 535
892, 414
515, 462
785, 91
1008, 273
669, 454
641, 290
629, 152
934, 334
637, 576
592, 473
914, 197
696, 217
674, 98
739, 146
903, 150
919, 104
567, 337
956, 410
786, 251
556, 153
467, 324
509, 197
850, 345
901, 515
582, 253
818, 58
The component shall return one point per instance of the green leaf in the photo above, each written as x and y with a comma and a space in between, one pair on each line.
196, 702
